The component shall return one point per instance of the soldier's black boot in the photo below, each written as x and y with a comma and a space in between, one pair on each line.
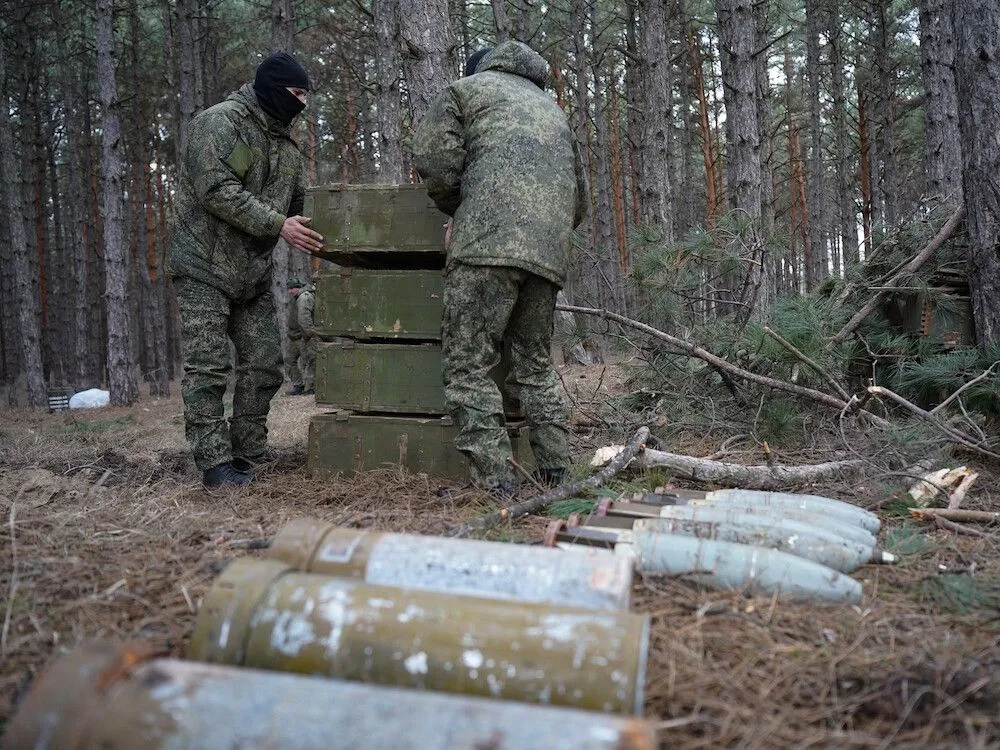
295, 390
225, 475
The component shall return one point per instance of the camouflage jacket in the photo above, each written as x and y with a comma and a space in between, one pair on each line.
241, 178
497, 154
300, 313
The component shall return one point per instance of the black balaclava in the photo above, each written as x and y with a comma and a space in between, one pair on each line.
474, 58
274, 75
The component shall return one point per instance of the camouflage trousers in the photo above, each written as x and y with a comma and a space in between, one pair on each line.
482, 306
211, 323
292, 360
301, 362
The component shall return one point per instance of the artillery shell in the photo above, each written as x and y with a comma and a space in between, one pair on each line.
728, 565
793, 537
261, 613
101, 696
594, 579
811, 503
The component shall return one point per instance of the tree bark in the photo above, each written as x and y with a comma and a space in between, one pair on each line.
25, 295
655, 189
942, 138
388, 66
816, 172
977, 75
845, 203
425, 34
121, 376
283, 26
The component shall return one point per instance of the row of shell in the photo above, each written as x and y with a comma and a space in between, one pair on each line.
798, 547
348, 638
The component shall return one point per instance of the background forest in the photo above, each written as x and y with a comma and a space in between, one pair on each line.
750, 163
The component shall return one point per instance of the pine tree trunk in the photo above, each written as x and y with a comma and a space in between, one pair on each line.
816, 171
283, 26
24, 291
707, 138
977, 78
425, 36
388, 66
187, 62
121, 375
943, 146
846, 211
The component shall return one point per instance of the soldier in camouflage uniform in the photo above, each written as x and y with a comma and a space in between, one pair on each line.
497, 155
241, 187
301, 363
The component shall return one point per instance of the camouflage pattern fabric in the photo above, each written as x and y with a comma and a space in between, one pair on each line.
305, 304
482, 304
292, 361
497, 154
210, 323
241, 177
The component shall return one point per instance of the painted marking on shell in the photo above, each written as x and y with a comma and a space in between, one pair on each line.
410, 613
224, 634
495, 685
417, 663
472, 659
291, 633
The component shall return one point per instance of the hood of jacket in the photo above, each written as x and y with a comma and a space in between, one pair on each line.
520, 60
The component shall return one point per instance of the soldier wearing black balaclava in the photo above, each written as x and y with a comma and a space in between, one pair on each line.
241, 187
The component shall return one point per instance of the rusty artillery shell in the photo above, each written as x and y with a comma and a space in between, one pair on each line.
262, 613
594, 579
102, 696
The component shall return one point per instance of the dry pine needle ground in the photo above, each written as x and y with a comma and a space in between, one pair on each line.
106, 533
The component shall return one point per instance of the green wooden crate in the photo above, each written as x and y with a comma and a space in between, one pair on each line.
345, 443
377, 222
386, 378
380, 304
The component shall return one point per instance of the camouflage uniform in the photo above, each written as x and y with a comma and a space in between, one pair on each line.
242, 176
294, 344
497, 154
302, 339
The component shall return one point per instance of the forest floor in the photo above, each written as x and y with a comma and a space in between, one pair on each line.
107, 533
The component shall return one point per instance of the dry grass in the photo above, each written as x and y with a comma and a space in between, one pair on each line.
107, 533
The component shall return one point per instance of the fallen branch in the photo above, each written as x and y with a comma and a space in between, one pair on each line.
840, 390
954, 435
982, 376
539, 502
696, 351
748, 477
955, 514
908, 270
944, 523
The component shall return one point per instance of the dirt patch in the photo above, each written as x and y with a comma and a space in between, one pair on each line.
106, 533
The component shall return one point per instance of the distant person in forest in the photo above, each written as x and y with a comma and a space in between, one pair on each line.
497, 154
241, 187
301, 363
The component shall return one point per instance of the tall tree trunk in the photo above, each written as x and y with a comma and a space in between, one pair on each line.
121, 376
817, 171
188, 65
425, 33
500, 22
708, 151
977, 77
738, 57
388, 64
26, 298
655, 189
847, 213
283, 26
943, 146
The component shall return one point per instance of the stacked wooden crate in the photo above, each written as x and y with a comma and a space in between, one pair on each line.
378, 319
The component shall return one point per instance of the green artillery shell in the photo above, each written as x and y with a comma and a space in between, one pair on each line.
594, 579
727, 565
811, 503
261, 613
101, 696
794, 537
777, 514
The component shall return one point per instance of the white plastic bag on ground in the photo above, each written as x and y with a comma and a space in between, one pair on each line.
89, 399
